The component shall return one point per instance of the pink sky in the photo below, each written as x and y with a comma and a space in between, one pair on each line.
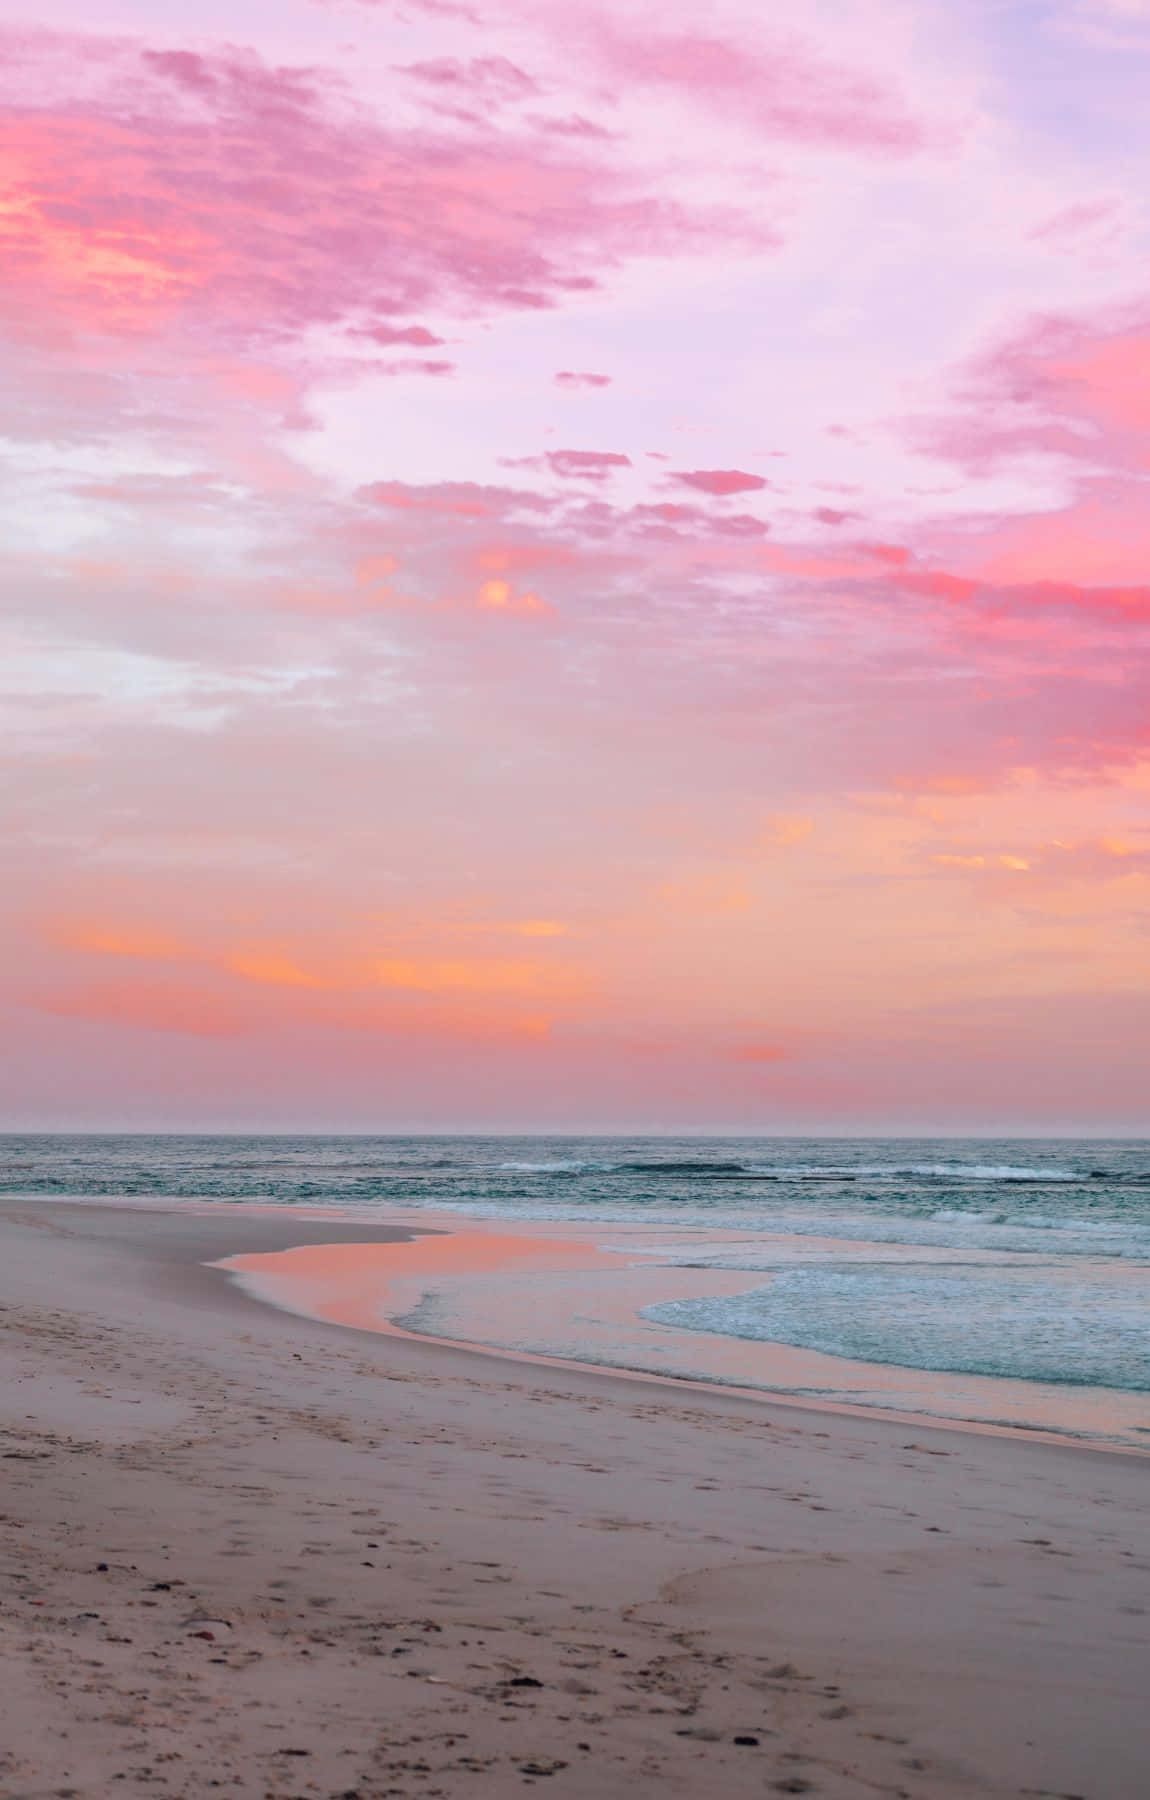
576, 566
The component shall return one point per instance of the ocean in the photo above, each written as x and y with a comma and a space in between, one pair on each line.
1009, 1261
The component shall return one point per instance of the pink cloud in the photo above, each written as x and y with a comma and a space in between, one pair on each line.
486, 78
1070, 222
465, 499
416, 335
720, 481
153, 1006
416, 365
575, 126
174, 185
508, 556
1075, 388
1109, 380
1101, 539
784, 90
571, 378
587, 465
161, 493
671, 522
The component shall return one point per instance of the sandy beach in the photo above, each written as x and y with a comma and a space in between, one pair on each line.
253, 1553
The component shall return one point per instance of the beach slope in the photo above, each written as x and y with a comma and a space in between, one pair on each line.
249, 1553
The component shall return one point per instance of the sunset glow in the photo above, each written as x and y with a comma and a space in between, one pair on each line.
577, 566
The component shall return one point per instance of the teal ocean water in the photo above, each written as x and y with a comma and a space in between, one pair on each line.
1022, 1259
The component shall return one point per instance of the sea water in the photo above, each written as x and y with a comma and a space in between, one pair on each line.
1026, 1260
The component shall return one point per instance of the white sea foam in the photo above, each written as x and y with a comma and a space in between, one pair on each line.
892, 1172
545, 1168
978, 1320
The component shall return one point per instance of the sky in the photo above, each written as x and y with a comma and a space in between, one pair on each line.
575, 566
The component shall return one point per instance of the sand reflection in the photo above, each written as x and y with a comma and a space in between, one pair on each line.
368, 1285
567, 1298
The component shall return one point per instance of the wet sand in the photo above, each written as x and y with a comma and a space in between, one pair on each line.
261, 1554
556, 1292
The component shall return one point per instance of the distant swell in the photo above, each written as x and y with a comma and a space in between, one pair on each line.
686, 1168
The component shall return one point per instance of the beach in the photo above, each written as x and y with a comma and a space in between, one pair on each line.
251, 1552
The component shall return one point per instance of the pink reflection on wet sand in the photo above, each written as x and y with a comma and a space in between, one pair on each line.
552, 1298
360, 1284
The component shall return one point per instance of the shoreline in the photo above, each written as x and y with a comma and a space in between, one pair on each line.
258, 1276
200, 1231
275, 1555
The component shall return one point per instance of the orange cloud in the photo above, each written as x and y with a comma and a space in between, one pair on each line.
783, 829
498, 595
121, 265
1119, 847
946, 860
355, 970
103, 940
272, 967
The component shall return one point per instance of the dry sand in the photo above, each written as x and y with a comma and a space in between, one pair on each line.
251, 1554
